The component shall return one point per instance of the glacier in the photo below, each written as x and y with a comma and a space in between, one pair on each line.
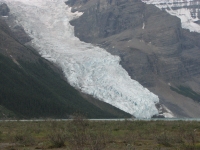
186, 10
88, 68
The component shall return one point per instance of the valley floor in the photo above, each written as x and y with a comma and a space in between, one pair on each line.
79, 134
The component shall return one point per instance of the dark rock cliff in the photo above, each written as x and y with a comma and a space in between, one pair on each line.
153, 47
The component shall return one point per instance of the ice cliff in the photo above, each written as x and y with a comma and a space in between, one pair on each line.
86, 67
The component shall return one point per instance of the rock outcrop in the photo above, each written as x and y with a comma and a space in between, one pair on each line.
4, 10
153, 47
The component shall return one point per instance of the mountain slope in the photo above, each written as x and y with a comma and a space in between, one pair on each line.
35, 90
153, 47
31, 87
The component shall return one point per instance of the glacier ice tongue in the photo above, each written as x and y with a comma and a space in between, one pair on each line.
88, 68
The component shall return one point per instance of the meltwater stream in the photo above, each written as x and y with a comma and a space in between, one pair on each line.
86, 67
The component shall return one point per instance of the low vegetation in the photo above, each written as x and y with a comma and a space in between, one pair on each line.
79, 134
188, 92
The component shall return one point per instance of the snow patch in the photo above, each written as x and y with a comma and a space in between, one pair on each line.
167, 113
143, 26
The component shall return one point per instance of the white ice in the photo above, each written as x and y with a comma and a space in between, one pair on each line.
143, 26
88, 68
185, 14
168, 113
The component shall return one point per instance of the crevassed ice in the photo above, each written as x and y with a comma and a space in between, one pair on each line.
86, 67
183, 10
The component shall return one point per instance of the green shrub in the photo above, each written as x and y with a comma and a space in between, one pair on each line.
164, 139
57, 138
23, 139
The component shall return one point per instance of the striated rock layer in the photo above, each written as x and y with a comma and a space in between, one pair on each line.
88, 68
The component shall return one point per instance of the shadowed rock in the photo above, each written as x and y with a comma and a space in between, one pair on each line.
4, 10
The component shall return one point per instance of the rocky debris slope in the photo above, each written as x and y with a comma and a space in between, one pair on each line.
151, 43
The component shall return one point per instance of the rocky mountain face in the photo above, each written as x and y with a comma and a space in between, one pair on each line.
191, 5
32, 87
152, 45
188, 11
